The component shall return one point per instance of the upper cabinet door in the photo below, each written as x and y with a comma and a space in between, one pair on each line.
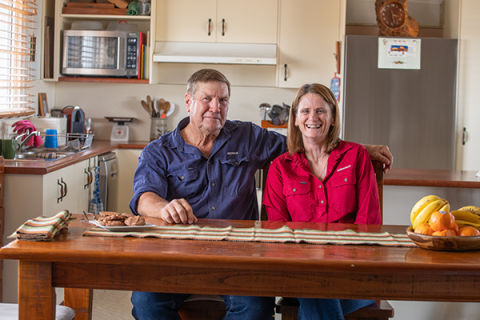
247, 21
185, 20
308, 35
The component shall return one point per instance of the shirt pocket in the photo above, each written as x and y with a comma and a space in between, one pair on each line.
300, 200
237, 177
183, 183
343, 192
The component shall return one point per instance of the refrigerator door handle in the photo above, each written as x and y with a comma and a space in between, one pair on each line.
464, 136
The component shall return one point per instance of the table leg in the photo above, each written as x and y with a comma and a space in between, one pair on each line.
36, 296
80, 300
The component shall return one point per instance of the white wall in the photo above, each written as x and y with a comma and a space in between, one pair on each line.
99, 100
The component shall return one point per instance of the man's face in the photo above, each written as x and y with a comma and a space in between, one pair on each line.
208, 107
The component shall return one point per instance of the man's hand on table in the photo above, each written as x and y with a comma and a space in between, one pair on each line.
382, 154
175, 211
178, 211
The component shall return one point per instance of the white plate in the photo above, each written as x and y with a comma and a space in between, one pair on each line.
125, 228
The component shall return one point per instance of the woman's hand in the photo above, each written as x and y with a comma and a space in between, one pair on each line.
382, 154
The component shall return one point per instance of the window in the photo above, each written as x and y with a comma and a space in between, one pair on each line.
17, 52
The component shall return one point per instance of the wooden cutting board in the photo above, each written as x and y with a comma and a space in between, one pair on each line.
104, 11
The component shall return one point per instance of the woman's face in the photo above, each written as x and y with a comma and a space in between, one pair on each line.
314, 118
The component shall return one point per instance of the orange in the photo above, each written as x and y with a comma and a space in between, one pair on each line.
455, 227
445, 233
441, 220
468, 232
424, 228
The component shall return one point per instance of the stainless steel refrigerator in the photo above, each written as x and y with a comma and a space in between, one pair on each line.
411, 111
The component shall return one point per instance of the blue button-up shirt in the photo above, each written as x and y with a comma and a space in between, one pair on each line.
220, 187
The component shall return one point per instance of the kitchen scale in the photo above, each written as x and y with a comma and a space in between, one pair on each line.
120, 130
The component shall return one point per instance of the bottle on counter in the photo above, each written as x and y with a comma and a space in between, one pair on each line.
89, 126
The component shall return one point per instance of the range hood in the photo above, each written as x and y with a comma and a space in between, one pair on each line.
224, 53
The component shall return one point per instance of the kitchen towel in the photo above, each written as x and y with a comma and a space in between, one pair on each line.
43, 228
283, 234
96, 205
25, 126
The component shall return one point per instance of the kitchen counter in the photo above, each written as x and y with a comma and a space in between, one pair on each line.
432, 178
44, 167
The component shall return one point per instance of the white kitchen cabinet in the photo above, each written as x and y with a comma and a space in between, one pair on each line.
468, 151
84, 182
308, 33
127, 165
226, 21
59, 191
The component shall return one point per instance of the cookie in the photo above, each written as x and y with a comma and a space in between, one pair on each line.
135, 221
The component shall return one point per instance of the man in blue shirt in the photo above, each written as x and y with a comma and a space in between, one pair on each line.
205, 169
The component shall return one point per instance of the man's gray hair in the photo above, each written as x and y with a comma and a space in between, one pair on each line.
205, 75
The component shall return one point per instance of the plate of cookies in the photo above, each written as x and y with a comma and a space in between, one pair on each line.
121, 222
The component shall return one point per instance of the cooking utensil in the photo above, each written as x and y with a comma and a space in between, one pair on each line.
149, 102
145, 106
156, 108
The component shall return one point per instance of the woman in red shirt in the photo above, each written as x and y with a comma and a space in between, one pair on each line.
321, 179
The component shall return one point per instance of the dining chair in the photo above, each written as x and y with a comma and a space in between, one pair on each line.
380, 310
9, 311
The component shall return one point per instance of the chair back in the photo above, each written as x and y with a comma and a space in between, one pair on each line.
377, 167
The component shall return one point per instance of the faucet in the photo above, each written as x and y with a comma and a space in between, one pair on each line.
24, 142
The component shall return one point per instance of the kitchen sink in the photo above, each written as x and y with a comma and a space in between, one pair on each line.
42, 155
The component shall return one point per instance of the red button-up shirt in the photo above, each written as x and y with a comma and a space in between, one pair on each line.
348, 194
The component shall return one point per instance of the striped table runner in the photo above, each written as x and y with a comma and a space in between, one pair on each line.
282, 235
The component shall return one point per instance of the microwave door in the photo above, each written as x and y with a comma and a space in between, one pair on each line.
94, 53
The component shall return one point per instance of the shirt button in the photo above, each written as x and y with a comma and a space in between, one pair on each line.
236, 162
213, 208
294, 190
321, 202
182, 177
320, 186
345, 180
213, 184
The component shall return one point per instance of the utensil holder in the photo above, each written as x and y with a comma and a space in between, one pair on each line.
158, 127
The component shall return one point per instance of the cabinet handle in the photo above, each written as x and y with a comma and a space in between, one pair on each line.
61, 191
66, 189
88, 178
223, 27
209, 27
464, 136
285, 74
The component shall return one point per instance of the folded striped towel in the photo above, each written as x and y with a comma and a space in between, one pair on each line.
43, 228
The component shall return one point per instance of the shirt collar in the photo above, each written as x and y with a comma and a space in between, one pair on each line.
336, 153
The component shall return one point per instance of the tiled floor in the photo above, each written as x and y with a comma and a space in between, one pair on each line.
112, 305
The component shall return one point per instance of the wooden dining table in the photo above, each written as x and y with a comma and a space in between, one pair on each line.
81, 263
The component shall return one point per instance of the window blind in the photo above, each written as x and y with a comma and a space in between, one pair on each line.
17, 55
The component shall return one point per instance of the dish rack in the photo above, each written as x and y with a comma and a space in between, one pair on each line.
71, 141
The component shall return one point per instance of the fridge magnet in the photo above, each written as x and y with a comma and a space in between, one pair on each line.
335, 87
399, 53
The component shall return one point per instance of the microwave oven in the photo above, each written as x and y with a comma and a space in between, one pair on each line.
101, 53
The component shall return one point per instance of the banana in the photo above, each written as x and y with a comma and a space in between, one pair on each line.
463, 223
425, 214
420, 205
465, 216
472, 209
446, 207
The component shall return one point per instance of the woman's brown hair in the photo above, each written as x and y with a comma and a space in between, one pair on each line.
295, 139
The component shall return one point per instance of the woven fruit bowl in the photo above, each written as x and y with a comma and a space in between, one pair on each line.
456, 243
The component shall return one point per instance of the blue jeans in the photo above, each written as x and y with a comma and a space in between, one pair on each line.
328, 309
165, 306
